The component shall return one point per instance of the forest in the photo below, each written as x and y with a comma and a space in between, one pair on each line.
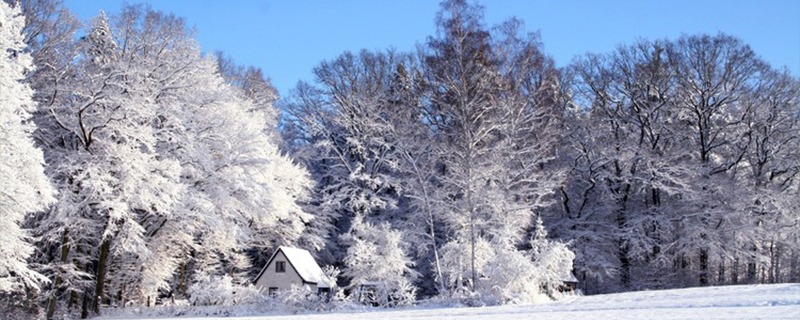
138, 170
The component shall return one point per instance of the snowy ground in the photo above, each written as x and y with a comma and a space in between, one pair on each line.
780, 301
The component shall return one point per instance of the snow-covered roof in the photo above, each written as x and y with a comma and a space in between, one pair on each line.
305, 265
570, 277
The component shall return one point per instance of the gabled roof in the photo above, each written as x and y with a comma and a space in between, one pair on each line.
570, 277
303, 263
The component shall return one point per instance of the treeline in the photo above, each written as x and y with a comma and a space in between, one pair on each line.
663, 164
472, 168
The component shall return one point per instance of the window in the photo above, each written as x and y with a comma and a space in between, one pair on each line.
280, 266
273, 291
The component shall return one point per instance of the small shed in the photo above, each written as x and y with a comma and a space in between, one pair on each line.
289, 267
569, 283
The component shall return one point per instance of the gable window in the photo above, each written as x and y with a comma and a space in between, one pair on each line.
280, 266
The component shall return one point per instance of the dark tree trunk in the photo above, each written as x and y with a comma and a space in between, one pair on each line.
624, 247
32, 300
122, 296
73, 296
703, 267
85, 306
751, 272
51, 307
100, 276
182, 279
625, 264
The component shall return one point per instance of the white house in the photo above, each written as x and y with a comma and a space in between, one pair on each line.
292, 266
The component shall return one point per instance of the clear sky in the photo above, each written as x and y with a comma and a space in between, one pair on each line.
288, 38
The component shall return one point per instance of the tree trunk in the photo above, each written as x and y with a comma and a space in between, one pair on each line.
73, 296
703, 267
622, 225
100, 276
471, 211
431, 224
460, 282
85, 306
436, 259
751, 272
682, 264
31, 300
771, 270
624, 247
122, 296
182, 278
472, 252
625, 264
51, 307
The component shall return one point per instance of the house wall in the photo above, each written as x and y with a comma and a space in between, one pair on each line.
282, 281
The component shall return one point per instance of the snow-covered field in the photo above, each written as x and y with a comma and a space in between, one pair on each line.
781, 301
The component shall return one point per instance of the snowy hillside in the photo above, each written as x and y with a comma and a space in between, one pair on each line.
780, 301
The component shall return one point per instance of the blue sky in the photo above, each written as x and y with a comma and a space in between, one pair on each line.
288, 38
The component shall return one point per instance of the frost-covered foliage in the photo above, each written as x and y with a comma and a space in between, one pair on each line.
220, 291
302, 299
648, 160
456, 266
219, 296
377, 258
509, 275
339, 131
24, 188
552, 260
435, 146
666, 188
472, 170
168, 169
495, 142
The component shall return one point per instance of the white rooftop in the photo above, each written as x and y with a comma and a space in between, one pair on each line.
570, 277
306, 266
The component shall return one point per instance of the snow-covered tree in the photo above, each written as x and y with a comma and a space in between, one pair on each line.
673, 208
50, 32
496, 105
457, 264
632, 149
342, 135
463, 86
552, 261
164, 161
377, 256
107, 168
25, 188
417, 164
472, 168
